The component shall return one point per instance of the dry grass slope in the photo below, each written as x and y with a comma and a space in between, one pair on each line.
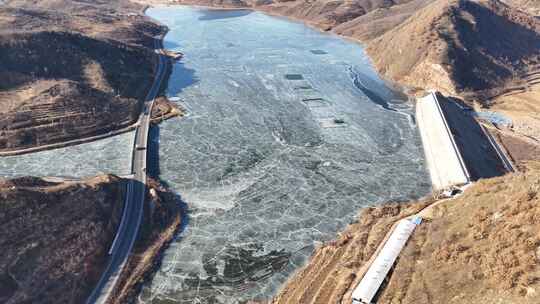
55, 237
336, 267
71, 69
449, 45
483, 247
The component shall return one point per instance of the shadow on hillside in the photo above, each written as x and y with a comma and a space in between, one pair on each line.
481, 159
487, 59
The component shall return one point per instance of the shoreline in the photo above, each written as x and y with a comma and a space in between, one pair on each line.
260, 9
69, 143
300, 273
393, 85
154, 238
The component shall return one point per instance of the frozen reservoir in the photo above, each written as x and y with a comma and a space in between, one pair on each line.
290, 132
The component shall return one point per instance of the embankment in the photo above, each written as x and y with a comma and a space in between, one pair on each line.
444, 160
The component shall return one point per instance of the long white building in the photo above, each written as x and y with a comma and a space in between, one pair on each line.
375, 275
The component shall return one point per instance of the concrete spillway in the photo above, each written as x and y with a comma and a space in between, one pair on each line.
444, 159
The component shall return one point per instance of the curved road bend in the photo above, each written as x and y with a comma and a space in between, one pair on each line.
135, 194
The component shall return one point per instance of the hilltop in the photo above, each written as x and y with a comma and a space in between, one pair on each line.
449, 46
71, 69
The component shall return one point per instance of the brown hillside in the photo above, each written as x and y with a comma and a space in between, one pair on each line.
482, 247
55, 237
459, 46
71, 69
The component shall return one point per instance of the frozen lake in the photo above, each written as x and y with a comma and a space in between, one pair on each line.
290, 133
109, 155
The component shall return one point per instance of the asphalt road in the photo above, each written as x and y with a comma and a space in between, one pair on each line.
135, 194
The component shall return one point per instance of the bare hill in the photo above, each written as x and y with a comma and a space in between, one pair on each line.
55, 237
71, 69
483, 247
459, 46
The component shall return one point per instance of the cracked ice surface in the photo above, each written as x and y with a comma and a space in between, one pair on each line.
108, 155
290, 132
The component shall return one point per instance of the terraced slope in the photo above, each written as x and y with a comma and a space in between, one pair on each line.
71, 69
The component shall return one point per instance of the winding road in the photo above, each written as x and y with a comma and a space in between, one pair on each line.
133, 207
